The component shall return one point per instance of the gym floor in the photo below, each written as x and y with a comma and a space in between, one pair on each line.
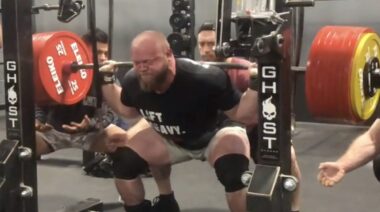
61, 182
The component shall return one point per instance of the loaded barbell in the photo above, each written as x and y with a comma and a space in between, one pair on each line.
342, 72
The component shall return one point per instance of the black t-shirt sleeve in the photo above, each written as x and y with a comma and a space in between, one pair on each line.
229, 96
126, 89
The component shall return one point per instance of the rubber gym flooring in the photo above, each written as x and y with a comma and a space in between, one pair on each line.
61, 182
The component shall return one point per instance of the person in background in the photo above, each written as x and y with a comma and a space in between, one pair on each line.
64, 126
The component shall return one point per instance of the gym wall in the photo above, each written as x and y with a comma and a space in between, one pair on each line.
134, 16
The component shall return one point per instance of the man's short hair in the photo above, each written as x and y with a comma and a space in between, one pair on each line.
100, 36
206, 26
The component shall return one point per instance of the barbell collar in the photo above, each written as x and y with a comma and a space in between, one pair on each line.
376, 78
371, 77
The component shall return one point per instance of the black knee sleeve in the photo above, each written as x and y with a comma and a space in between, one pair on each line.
229, 169
127, 164
145, 206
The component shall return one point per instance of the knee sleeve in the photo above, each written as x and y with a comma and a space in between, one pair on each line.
229, 169
127, 164
145, 206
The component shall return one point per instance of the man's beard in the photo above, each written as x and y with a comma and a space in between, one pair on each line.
155, 82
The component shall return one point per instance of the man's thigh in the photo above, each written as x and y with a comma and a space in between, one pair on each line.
228, 140
148, 144
101, 140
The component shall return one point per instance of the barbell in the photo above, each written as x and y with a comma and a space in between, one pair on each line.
223, 65
342, 72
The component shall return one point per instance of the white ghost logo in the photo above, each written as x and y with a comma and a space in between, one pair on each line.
12, 95
269, 109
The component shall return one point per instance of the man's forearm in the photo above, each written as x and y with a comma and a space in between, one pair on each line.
247, 112
360, 152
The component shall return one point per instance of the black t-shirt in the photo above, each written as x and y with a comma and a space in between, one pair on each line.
187, 111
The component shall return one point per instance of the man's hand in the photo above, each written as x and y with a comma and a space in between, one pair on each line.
42, 127
253, 70
76, 127
108, 67
107, 71
330, 173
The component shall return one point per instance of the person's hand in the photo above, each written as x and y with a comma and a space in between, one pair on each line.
330, 173
42, 127
253, 70
108, 67
75, 127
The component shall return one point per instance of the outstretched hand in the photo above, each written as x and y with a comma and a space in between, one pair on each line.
76, 127
330, 173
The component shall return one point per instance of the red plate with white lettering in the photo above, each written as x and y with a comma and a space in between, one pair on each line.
54, 84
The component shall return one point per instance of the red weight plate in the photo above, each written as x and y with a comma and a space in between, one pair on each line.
55, 85
328, 73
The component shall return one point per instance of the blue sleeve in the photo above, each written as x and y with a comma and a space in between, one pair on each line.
40, 113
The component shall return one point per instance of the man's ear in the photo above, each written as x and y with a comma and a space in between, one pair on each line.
169, 52
229, 60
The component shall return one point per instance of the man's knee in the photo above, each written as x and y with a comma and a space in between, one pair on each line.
42, 146
229, 169
127, 164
